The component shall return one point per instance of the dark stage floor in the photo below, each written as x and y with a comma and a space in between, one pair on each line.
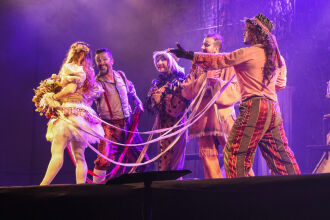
284, 197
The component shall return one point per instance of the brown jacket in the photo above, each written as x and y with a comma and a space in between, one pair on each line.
209, 124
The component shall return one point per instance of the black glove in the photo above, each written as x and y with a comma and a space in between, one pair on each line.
182, 53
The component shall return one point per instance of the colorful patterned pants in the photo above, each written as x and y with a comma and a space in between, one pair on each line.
259, 123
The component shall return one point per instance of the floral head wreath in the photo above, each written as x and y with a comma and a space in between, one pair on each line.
266, 26
80, 46
76, 48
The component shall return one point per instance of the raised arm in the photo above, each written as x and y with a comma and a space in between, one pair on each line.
215, 61
221, 60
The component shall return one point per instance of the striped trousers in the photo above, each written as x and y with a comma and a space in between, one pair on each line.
259, 123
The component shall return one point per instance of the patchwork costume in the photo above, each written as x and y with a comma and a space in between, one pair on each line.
164, 99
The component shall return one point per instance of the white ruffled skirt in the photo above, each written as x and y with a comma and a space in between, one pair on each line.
75, 115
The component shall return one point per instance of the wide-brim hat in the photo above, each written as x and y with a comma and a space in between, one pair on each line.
262, 21
266, 27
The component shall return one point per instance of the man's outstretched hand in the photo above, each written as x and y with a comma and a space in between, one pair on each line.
182, 53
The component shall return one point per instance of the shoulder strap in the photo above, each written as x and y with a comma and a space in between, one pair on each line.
122, 76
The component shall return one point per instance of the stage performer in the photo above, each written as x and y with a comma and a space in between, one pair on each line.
73, 104
213, 127
165, 100
261, 71
113, 107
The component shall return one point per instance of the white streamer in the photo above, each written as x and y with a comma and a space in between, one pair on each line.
187, 125
163, 129
118, 163
179, 132
93, 133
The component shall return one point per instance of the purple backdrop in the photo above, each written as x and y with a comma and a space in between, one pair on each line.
35, 36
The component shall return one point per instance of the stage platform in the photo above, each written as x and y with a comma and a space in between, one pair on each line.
279, 197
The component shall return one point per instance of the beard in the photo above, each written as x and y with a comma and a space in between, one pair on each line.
104, 71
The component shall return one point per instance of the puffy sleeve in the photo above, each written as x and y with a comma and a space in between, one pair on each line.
97, 90
72, 73
281, 77
193, 83
221, 60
